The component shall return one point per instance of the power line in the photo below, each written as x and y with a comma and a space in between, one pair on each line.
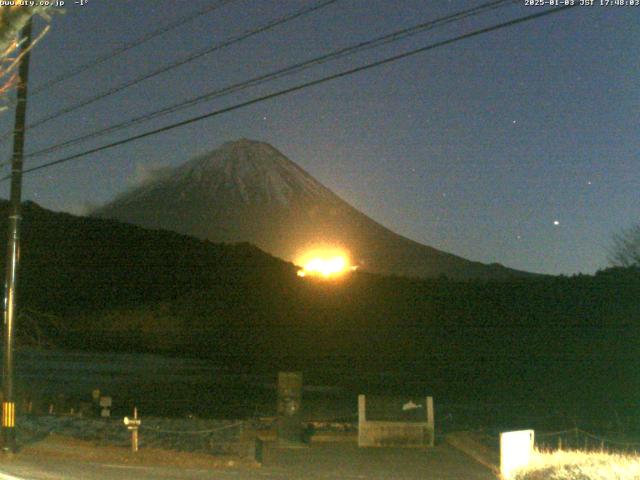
122, 49
286, 71
128, 46
301, 87
226, 43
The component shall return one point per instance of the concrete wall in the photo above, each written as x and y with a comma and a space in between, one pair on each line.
377, 433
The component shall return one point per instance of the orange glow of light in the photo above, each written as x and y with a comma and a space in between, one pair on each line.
325, 263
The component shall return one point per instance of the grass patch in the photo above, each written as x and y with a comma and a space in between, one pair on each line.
580, 465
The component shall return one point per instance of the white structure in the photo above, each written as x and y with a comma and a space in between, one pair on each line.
395, 422
516, 450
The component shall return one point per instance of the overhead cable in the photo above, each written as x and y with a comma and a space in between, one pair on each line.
190, 58
301, 86
280, 73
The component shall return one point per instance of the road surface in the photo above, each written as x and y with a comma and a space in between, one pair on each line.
319, 461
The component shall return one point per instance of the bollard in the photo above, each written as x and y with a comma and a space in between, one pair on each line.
133, 424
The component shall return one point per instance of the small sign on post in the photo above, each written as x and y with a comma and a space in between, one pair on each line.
133, 424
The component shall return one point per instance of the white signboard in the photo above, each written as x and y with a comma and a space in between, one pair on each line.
516, 449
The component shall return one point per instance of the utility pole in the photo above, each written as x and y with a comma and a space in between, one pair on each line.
13, 247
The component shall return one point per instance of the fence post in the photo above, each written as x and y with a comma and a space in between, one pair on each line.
134, 432
430, 419
362, 419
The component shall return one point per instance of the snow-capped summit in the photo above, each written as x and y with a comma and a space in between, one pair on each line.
255, 171
248, 191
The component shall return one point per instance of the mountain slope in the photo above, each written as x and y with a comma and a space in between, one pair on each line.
249, 191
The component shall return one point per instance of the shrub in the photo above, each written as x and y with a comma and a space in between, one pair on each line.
579, 465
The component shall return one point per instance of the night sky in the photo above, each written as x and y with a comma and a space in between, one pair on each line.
519, 146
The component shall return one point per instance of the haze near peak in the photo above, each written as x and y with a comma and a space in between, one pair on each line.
249, 191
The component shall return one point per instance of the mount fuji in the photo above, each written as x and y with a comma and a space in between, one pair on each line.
248, 191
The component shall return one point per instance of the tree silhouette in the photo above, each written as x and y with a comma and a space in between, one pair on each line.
625, 251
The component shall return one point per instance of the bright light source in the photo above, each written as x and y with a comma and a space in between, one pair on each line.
324, 263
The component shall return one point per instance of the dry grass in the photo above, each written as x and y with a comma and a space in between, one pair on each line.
62, 447
579, 465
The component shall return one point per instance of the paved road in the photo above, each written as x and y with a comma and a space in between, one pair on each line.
319, 462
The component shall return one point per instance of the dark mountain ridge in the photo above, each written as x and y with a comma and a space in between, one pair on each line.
71, 263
